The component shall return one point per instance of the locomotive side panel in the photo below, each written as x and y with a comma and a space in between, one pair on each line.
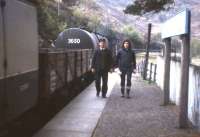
1, 69
21, 53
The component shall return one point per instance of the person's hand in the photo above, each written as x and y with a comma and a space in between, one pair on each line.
93, 70
134, 71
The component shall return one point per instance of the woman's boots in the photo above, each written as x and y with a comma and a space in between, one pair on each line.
127, 91
122, 91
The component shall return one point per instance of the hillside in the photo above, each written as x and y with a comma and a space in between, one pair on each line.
111, 12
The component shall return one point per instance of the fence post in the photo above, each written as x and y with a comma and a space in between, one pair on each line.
155, 69
166, 82
147, 53
185, 62
150, 72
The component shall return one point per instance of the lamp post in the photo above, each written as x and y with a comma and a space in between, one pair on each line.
58, 6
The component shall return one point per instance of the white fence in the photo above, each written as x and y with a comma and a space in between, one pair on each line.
194, 87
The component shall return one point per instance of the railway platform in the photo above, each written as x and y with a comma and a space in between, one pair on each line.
140, 116
80, 117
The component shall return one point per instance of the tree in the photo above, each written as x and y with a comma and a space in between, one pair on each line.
49, 23
140, 7
134, 36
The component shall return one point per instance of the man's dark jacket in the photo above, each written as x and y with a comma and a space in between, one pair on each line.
126, 60
102, 60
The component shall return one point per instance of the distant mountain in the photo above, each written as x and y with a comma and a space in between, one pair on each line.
112, 13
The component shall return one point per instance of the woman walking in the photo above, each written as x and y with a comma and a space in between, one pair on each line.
127, 64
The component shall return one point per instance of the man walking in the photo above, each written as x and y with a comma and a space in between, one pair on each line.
101, 65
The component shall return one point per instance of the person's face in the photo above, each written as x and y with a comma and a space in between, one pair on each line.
102, 44
126, 45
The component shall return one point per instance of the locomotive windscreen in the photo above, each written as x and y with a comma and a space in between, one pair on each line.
75, 38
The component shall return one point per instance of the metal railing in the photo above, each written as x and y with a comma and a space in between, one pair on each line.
151, 71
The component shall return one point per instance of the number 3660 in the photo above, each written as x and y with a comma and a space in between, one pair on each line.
72, 41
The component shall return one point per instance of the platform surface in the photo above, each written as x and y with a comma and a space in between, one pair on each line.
79, 118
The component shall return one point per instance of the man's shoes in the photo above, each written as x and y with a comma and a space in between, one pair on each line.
128, 93
103, 96
97, 94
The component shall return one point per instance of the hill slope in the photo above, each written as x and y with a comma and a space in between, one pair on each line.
113, 13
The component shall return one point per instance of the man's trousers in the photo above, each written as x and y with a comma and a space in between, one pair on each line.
101, 75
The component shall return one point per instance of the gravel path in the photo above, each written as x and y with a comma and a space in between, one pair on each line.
139, 116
